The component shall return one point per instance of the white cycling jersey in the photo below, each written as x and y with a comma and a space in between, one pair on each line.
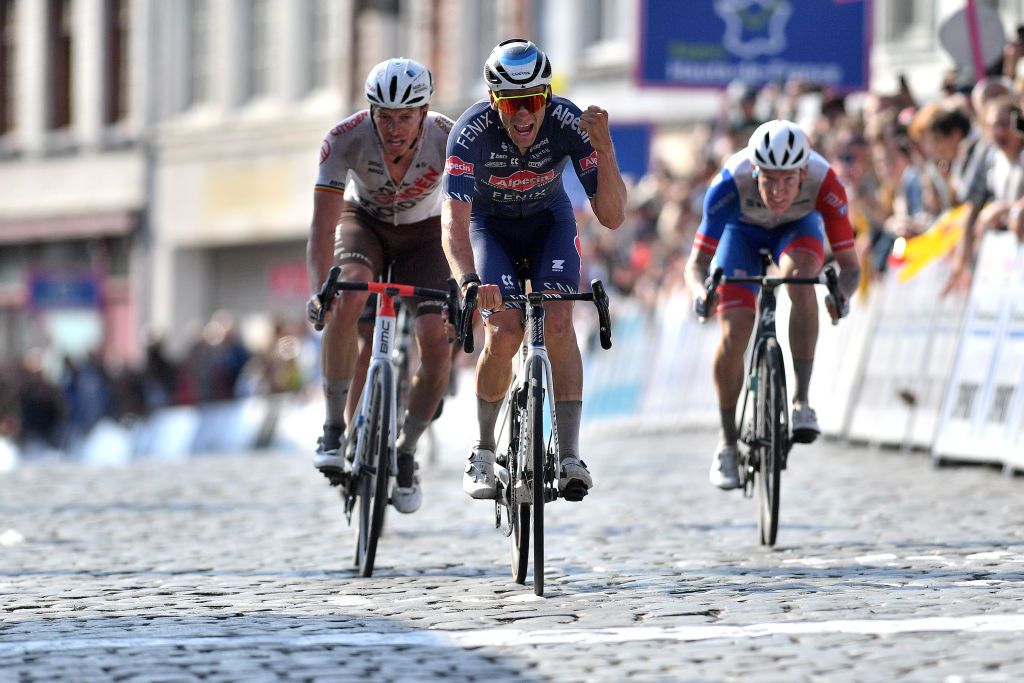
352, 163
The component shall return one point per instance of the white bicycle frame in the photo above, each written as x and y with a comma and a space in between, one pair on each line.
385, 328
533, 347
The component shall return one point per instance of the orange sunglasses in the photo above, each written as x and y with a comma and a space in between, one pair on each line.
512, 103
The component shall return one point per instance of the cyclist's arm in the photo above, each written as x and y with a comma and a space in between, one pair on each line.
833, 206
698, 268
329, 195
721, 205
327, 205
455, 236
849, 271
609, 202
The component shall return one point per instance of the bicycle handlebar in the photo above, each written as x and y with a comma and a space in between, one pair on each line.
332, 286
827, 277
597, 295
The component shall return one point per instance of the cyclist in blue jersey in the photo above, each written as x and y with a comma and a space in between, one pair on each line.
504, 203
776, 193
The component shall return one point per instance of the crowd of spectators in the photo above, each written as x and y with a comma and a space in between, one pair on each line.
43, 409
904, 161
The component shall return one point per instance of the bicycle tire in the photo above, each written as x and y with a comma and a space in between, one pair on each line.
535, 413
519, 512
379, 434
362, 489
772, 424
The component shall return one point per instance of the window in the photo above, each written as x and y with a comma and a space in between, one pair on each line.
910, 21
116, 20
319, 47
199, 52
604, 27
60, 36
258, 59
7, 65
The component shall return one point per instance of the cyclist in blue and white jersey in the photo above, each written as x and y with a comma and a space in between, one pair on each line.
504, 202
378, 199
776, 193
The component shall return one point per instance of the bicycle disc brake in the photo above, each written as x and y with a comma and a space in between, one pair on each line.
502, 512
749, 471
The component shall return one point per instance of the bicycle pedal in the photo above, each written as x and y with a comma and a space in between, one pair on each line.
335, 477
804, 435
574, 492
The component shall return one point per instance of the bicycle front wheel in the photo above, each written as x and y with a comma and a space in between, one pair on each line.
374, 492
535, 413
771, 438
519, 509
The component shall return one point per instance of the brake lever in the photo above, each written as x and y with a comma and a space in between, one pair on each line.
327, 294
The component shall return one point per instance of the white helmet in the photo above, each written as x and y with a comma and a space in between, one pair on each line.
516, 64
779, 145
399, 84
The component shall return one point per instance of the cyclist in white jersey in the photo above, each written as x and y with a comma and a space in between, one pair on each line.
377, 200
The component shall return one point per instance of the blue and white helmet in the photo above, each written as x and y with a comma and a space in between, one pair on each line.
399, 84
516, 64
779, 145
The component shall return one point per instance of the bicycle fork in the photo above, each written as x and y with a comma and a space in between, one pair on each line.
537, 349
384, 330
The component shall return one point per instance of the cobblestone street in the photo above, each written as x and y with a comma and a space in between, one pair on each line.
239, 568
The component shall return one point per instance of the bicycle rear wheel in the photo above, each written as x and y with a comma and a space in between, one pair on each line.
772, 425
535, 413
374, 488
519, 511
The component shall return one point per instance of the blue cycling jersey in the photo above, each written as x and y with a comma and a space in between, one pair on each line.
484, 166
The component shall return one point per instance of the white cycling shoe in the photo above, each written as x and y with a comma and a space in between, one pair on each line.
329, 457
724, 472
804, 423
478, 479
574, 480
407, 499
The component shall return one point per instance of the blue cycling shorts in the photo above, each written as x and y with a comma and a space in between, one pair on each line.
738, 252
548, 241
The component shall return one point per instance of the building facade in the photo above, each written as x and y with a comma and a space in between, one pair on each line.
157, 157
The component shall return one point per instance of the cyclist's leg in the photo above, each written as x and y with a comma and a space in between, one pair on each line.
800, 252
357, 251
495, 258
737, 255
419, 260
555, 267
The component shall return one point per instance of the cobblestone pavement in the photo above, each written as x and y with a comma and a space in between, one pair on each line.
239, 568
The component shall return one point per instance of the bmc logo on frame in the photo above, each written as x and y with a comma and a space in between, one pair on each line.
455, 166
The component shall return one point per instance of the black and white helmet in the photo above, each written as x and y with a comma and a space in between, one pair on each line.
779, 145
399, 84
516, 64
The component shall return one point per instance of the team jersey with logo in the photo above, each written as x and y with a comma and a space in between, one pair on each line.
352, 163
733, 196
484, 166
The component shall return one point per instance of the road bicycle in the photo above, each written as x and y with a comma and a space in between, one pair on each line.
370, 447
765, 436
531, 456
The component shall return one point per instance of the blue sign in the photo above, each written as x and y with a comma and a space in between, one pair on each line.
63, 291
708, 43
632, 152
